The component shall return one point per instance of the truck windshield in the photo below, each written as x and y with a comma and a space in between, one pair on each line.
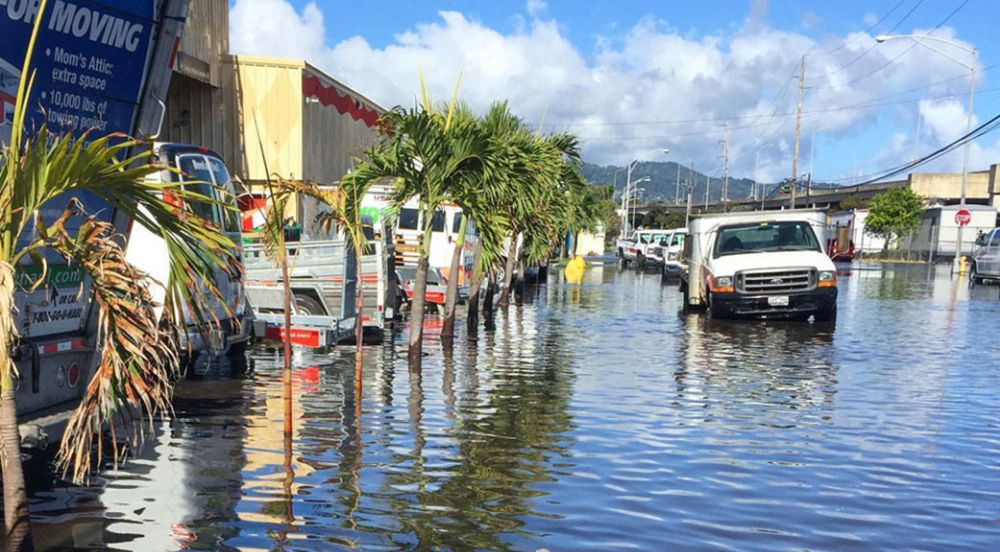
765, 236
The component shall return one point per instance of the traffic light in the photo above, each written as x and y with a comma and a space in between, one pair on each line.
786, 187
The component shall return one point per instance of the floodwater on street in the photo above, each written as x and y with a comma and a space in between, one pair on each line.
594, 417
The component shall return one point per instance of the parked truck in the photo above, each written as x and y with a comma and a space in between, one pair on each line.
669, 254
121, 88
639, 248
764, 263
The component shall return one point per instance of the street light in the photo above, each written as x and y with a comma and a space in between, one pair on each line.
922, 40
625, 195
635, 193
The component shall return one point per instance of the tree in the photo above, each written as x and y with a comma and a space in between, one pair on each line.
428, 151
893, 214
138, 352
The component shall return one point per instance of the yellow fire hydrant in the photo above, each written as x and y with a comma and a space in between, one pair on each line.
963, 264
574, 270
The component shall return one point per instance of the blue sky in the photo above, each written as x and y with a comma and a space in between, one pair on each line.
634, 77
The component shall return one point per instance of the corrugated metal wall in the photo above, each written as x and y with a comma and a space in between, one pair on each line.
206, 37
331, 138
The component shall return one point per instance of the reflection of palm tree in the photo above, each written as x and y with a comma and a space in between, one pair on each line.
505, 437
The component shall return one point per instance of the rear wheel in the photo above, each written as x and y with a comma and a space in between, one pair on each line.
307, 305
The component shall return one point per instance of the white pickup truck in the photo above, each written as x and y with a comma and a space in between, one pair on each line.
768, 264
667, 255
640, 247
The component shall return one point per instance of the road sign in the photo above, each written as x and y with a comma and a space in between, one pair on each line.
963, 217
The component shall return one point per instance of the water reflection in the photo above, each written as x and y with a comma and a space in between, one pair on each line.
592, 417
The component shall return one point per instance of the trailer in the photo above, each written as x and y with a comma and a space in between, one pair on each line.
323, 277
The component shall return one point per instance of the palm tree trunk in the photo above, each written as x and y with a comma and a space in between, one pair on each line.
415, 352
488, 310
287, 371
508, 273
451, 294
472, 316
359, 302
17, 518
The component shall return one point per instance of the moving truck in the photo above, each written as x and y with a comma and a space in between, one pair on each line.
103, 65
761, 263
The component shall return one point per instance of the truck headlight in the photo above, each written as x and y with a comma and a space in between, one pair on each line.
827, 278
672, 255
721, 284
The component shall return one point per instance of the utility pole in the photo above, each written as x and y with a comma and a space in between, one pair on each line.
677, 193
809, 188
708, 186
725, 167
690, 187
798, 129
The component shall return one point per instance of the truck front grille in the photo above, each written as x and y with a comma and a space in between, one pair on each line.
776, 281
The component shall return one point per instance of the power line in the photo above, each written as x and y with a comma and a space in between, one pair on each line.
904, 52
805, 114
976, 133
872, 47
873, 102
864, 32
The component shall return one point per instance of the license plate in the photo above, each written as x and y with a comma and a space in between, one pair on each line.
778, 300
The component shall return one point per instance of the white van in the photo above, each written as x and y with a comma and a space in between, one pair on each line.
209, 177
763, 263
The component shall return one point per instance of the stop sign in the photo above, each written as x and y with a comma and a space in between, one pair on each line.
963, 217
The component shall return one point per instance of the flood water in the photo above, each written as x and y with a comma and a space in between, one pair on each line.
594, 417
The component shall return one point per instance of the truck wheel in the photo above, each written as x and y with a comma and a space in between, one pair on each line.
237, 356
828, 314
307, 305
973, 277
714, 311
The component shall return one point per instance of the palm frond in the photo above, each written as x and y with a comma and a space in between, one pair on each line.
138, 356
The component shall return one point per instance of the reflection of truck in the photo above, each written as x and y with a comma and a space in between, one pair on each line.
639, 247
57, 322
760, 264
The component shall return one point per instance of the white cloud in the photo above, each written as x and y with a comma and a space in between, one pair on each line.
870, 19
648, 88
536, 7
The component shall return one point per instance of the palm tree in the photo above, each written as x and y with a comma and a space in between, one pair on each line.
429, 151
546, 181
478, 200
139, 359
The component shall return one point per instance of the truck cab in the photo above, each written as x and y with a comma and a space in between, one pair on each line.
766, 264
227, 323
669, 251
986, 258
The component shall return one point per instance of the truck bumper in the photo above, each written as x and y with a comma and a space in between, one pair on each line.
802, 303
